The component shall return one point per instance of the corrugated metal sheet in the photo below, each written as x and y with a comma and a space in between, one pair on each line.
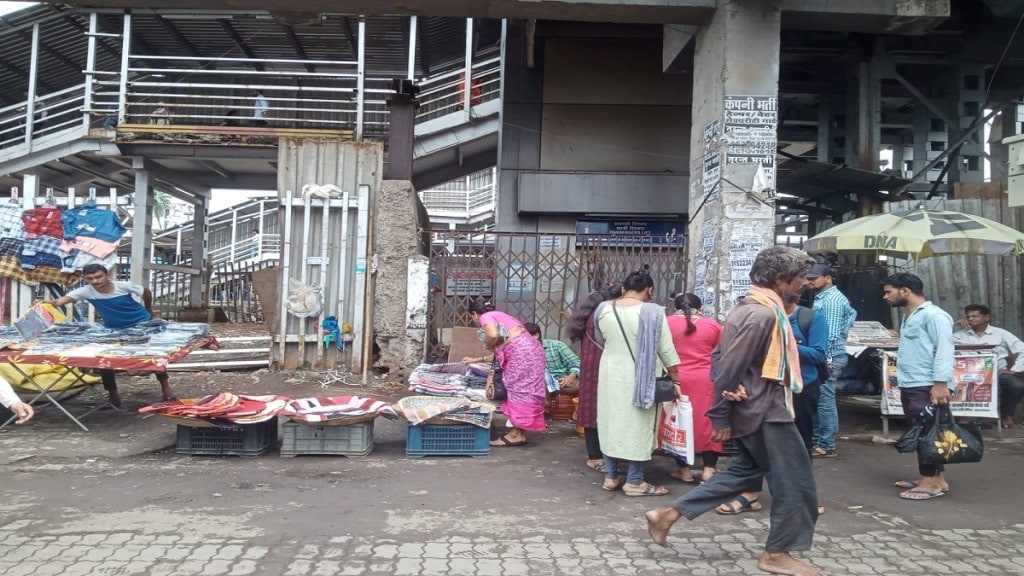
952, 282
347, 165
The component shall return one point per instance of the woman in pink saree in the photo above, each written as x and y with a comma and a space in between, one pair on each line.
522, 362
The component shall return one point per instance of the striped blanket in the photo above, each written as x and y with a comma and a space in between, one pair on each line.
324, 409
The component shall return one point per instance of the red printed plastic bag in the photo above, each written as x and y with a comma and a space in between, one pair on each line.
675, 431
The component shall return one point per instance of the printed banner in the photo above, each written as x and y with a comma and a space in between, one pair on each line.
974, 375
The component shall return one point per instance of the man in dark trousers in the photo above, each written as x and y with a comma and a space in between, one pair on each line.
756, 377
924, 368
120, 304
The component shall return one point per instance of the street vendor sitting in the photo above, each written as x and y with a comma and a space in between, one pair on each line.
120, 305
978, 331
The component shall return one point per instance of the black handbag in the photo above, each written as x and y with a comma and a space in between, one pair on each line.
909, 440
947, 442
664, 387
495, 389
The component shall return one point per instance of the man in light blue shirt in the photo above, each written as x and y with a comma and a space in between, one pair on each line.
924, 368
839, 315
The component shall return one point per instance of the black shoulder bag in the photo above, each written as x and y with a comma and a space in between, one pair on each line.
664, 387
495, 389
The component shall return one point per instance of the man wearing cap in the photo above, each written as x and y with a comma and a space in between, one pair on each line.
835, 307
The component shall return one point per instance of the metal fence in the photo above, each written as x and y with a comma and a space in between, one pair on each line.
537, 278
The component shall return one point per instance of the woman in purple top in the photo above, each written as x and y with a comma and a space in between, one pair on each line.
522, 362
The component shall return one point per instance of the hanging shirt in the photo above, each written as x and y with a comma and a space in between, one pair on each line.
94, 246
41, 251
11, 225
120, 308
92, 222
43, 221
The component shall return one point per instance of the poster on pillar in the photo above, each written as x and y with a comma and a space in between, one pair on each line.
749, 132
744, 245
711, 161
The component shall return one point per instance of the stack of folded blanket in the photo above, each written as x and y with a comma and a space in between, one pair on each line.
325, 409
224, 409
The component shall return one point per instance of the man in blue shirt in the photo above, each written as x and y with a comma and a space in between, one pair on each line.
120, 305
839, 315
924, 368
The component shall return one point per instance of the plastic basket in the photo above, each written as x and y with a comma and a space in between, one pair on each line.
245, 440
563, 407
451, 440
354, 440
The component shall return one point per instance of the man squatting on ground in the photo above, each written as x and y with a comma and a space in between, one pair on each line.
1004, 344
756, 377
924, 368
120, 305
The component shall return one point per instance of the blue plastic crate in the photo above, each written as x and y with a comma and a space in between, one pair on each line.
353, 440
243, 440
447, 440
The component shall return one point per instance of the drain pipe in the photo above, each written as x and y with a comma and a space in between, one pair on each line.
368, 304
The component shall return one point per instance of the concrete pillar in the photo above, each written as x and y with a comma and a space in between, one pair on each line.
401, 131
142, 226
970, 99
522, 81
395, 240
200, 241
864, 107
735, 114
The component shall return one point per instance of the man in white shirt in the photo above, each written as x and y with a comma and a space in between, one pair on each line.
1011, 380
10, 400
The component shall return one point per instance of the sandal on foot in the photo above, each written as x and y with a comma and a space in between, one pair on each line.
596, 466
504, 441
910, 485
682, 479
730, 509
920, 494
612, 484
648, 490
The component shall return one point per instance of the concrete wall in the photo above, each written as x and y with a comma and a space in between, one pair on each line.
594, 118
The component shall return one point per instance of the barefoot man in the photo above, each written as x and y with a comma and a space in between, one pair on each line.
757, 375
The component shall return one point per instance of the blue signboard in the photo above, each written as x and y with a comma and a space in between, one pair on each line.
631, 232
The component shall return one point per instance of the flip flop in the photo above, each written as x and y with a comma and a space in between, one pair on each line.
648, 490
504, 441
926, 494
745, 506
597, 466
910, 485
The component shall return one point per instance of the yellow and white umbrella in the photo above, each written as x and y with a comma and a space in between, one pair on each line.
919, 234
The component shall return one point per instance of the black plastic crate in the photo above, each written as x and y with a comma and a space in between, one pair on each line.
244, 440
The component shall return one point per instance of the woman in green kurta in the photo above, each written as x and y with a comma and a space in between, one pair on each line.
625, 417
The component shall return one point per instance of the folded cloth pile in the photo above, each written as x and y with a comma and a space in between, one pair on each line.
427, 409
224, 409
325, 409
426, 380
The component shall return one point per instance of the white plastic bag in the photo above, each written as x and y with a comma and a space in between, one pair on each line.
303, 301
675, 432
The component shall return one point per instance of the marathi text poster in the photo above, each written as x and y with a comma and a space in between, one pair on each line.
749, 131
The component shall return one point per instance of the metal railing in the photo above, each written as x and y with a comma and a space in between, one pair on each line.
221, 93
